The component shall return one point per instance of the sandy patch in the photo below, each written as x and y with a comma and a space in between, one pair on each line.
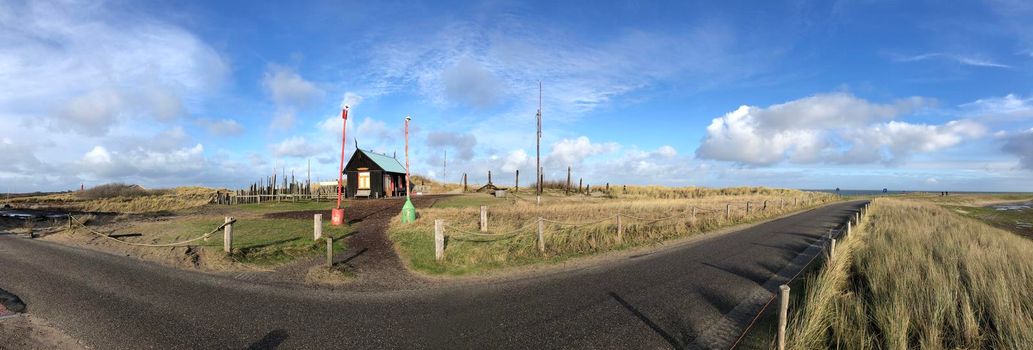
30, 332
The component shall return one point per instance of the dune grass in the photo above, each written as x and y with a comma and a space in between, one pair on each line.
125, 199
916, 275
578, 225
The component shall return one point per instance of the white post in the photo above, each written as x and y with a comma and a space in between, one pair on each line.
832, 249
329, 252
317, 226
541, 235
693, 212
227, 235
439, 239
783, 316
848, 228
728, 211
484, 218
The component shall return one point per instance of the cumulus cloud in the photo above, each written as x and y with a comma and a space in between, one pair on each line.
103, 163
377, 130
572, 152
832, 128
516, 160
462, 143
221, 127
290, 92
297, 147
351, 99
1021, 145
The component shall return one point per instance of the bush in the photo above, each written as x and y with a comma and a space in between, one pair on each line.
117, 189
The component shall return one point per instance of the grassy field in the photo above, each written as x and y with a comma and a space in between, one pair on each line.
918, 275
578, 225
256, 240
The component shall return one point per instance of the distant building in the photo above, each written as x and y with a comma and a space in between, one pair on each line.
374, 175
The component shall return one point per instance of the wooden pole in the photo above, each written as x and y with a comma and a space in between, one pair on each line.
620, 228
783, 315
832, 249
567, 189
728, 211
489, 177
484, 218
847, 228
765, 207
227, 235
517, 182
329, 252
317, 226
580, 182
439, 239
747, 208
464, 182
541, 235
538, 149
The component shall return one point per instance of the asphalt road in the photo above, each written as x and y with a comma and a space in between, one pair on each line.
696, 295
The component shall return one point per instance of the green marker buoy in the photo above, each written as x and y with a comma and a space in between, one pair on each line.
408, 211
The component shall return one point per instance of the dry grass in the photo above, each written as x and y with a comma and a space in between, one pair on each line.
920, 276
513, 225
128, 199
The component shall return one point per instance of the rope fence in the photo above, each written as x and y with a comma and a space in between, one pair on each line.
828, 246
444, 231
73, 220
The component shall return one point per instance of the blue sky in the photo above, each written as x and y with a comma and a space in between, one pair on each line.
919, 95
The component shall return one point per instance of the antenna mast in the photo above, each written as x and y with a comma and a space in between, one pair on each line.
538, 148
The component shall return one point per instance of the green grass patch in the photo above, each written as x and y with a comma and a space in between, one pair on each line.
469, 200
1018, 221
274, 206
255, 241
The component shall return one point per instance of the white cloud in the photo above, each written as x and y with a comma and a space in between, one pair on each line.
572, 152
297, 147
516, 160
377, 130
83, 68
961, 59
288, 88
1008, 107
221, 127
468, 82
351, 100
831, 128
109, 165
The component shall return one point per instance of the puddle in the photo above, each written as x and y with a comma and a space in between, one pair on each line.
1013, 206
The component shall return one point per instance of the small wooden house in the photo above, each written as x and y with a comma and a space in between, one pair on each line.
374, 175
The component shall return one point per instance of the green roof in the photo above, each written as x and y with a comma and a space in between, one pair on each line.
389, 164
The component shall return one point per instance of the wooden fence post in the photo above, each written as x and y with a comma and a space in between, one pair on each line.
620, 228
541, 235
693, 212
848, 228
796, 201
464, 182
832, 249
516, 186
566, 190
329, 252
728, 211
439, 239
227, 235
765, 207
317, 226
484, 218
783, 315
747, 208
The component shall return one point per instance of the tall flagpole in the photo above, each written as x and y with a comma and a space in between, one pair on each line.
408, 210
538, 148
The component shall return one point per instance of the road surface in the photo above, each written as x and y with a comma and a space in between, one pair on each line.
697, 295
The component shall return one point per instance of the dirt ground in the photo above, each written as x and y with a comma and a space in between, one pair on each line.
30, 332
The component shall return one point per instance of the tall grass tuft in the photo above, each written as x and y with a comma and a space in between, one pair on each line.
919, 276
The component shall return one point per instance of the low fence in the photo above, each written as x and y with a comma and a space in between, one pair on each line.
444, 232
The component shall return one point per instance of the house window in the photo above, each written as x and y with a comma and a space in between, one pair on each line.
364, 180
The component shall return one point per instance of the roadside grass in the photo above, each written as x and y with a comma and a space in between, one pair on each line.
916, 275
512, 239
256, 241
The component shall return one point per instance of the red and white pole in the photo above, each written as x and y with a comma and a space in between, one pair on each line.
337, 214
407, 119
